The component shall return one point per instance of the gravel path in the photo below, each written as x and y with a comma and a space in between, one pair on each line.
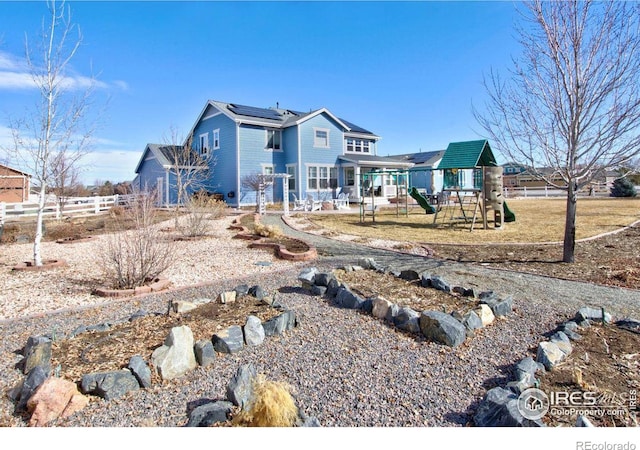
346, 368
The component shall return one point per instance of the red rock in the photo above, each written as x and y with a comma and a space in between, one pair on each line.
54, 398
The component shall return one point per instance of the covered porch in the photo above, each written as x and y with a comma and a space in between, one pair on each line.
367, 176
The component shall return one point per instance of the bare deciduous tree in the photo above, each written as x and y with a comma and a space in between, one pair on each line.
572, 102
56, 129
190, 169
65, 176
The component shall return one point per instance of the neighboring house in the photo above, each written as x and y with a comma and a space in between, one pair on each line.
424, 174
510, 172
156, 171
14, 185
322, 153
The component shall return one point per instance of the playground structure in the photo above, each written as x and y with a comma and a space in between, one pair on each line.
472, 189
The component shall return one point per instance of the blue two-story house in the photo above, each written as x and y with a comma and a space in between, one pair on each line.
322, 153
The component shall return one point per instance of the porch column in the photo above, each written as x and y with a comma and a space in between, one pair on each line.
356, 176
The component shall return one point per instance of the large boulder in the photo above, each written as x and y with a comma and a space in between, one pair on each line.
485, 313
307, 276
253, 331
230, 340
594, 314
209, 414
109, 385
437, 282
380, 307
240, 388
323, 279
549, 355
499, 408
37, 352
32, 382
279, 324
442, 328
407, 320
227, 297
409, 275
176, 357
54, 398
470, 320
140, 370
562, 341
205, 354
498, 307
347, 299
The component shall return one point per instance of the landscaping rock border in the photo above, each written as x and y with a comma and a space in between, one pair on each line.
177, 356
499, 407
157, 284
436, 326
260, 242
46, 265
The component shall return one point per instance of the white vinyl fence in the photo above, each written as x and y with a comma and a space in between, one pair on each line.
547, 191
73, 206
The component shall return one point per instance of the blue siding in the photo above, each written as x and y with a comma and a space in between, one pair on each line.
312, 156
150, 171
224, 163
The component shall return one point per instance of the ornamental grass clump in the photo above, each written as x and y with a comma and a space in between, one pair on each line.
272, 405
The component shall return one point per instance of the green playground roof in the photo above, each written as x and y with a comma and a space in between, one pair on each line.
467, 155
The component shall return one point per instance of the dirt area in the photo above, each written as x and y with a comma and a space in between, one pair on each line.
111, 350
368, 283
612, 260
602, 376
72, 228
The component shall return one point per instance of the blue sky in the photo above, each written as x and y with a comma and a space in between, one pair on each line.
408, 71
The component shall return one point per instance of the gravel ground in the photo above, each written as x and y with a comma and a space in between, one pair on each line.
346, 368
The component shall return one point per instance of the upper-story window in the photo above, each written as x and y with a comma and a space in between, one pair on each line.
274, 140
358, 145
216, 139
321, 138
204, 144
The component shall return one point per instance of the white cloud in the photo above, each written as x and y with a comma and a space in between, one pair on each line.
15, 76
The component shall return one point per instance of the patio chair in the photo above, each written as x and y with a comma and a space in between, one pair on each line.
342, 202
298, 205
312, 204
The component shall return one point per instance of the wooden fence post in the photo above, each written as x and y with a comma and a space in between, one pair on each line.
96, 204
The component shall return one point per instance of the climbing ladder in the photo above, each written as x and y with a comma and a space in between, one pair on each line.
462, 207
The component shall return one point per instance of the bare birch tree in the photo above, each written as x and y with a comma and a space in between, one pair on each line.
190, 168
571, 104
56, 129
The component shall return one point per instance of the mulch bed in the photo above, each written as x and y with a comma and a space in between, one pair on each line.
368, 283
110, 350
608, 360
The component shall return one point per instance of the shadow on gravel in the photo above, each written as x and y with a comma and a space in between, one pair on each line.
462, 418
294, 290
506, 370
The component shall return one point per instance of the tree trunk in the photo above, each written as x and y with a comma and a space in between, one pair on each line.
570, 225
37, 256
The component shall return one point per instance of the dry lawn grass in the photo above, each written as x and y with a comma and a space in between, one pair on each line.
537, 220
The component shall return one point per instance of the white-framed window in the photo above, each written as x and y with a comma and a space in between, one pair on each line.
322, 177
291, 171
216, 139
274, 140
204, 144
267, 169
349, 176
321, 138
358, 145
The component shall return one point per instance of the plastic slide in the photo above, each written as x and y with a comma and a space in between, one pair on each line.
509, 216
422, 201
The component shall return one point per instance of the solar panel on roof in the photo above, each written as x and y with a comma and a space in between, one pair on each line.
252, 111
355, 128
